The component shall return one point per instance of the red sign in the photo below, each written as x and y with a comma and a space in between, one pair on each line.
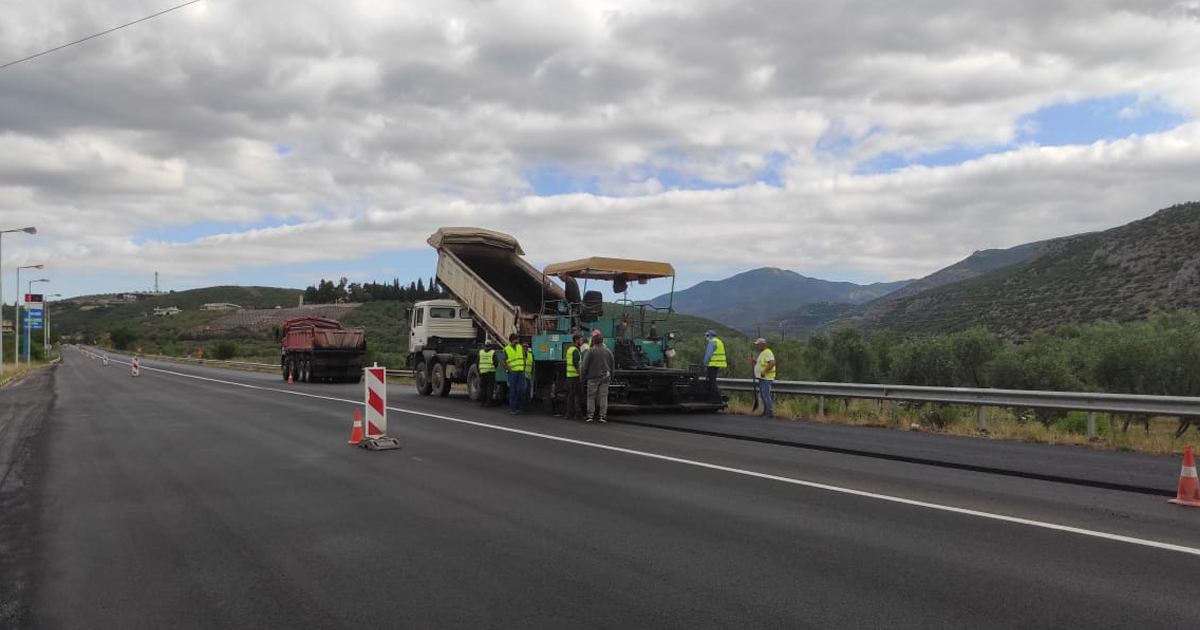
33, 297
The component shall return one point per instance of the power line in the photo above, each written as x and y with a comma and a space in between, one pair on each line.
78, 41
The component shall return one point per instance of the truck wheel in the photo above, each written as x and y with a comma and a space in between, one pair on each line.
288, 366
441, 384
474, 386
421, 380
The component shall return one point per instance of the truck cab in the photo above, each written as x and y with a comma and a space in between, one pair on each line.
434, 320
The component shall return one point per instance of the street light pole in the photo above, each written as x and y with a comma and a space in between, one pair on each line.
46, 324
28, 329
28, 230
17, 323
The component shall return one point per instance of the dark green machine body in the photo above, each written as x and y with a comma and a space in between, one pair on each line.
644, 379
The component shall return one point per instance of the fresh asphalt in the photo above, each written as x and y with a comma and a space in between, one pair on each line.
198, 497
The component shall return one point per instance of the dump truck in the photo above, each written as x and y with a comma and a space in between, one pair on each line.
496, 293
319, 349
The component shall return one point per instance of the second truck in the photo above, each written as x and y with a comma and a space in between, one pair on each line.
497, 292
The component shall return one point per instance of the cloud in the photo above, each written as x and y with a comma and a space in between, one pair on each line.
718, 135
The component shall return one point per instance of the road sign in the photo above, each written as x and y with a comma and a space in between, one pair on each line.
33, 297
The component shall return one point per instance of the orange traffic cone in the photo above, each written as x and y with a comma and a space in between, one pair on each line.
289, 377
1189, 491
356, 433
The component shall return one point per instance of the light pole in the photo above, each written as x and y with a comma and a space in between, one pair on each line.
46, 324
28, 230
28, 290
17, 323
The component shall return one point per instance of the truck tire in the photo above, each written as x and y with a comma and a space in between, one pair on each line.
288, 366
439, 382
421, 379
473, 383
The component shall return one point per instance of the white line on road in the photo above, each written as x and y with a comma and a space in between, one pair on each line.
740, 471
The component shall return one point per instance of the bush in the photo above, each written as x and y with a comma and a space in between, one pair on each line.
223, 350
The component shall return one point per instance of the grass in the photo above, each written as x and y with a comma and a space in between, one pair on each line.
12, 373
1002, 423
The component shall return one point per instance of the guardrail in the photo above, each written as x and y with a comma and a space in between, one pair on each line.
983, 398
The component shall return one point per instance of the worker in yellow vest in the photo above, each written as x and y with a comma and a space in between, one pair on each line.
764, 373
487, 373
514, 365
714, 360
574, 384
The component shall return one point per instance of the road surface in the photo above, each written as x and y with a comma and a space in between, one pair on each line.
194, 497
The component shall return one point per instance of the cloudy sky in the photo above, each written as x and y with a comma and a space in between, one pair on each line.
278, 143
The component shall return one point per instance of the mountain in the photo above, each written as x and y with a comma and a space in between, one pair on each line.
813, 318
1125, 273
758, 297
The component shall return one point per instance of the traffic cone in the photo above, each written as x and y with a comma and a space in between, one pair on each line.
289, 377
356, 433
1189, 491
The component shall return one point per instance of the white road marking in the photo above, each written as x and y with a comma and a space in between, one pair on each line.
738, 471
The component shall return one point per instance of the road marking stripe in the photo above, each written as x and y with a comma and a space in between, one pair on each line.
739, 471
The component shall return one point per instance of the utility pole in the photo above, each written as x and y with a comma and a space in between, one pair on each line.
16, 335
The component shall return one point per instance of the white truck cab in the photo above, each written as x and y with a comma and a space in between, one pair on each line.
440, 319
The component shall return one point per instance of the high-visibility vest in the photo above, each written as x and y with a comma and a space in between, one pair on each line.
718, 356
571, 371
516, 359
487, 361
762, 364
528, 363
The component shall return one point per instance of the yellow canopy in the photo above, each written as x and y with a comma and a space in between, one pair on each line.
600, 268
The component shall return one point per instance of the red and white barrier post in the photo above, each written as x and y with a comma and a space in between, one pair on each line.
134, 371
376, 402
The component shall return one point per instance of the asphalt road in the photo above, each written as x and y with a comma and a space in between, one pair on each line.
202, 498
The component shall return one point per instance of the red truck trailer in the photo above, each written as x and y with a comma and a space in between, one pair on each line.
316, 349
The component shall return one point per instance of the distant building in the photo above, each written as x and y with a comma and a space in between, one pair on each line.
219, 306
164, 312
6, 326
129, 297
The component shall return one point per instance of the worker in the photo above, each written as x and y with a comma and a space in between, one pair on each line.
487, 373
574, 384
597, 370
714, 360
764, 373
528, 373
514, 365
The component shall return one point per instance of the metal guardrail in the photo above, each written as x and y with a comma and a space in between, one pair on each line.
983, 398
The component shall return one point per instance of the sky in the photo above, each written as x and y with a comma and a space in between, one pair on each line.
278, 143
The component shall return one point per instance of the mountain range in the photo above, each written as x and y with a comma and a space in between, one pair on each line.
1129, 272
753, 299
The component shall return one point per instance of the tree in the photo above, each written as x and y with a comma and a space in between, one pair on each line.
122, 337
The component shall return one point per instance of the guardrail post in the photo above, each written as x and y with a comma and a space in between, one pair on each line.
821, 406
1092, 425
981, 419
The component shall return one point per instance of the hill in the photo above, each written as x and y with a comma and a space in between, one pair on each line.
1125, 273
814, 318
758, 298
94, 318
